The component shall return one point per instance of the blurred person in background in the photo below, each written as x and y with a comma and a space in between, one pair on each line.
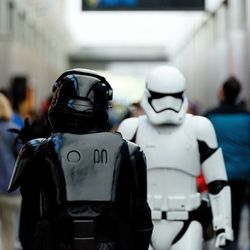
18, 91
136, 110
9, 203
16, 117
231, 121
36, 125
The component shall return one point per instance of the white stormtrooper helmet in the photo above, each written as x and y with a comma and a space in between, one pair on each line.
164, 100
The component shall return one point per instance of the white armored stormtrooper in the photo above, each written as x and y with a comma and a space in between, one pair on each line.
177, 146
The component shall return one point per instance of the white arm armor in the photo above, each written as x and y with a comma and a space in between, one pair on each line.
221, 209
216, 178
128, 128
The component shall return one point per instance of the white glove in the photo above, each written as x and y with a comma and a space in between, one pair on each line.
223, 238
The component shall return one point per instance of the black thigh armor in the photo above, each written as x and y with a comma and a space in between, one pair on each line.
82, 192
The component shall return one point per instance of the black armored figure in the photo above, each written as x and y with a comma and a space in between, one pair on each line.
83, 188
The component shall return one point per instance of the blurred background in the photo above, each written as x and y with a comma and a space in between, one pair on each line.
208, 40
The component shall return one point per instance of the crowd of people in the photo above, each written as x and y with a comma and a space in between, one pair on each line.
231, 123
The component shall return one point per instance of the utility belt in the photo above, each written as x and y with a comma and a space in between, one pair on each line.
170, 215
202, 214
182, 204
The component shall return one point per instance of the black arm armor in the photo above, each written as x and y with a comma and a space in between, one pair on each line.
205, 150
26, 164
143, 223
215, 187
26, 176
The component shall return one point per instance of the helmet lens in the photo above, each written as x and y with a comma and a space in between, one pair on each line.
166, 103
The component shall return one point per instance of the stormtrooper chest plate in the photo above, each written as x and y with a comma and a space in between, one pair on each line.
168, 146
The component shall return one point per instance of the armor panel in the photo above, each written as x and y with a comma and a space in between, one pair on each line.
89, 165
182, 156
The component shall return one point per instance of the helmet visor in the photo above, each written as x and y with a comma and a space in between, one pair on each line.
166, 103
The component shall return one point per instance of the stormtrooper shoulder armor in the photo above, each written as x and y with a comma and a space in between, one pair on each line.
210, 153
205, 131
25, 162
128, 128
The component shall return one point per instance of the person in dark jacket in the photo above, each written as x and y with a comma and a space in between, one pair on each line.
9, 203
83, 187
231, 121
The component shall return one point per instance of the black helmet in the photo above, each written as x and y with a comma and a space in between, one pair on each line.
80, 102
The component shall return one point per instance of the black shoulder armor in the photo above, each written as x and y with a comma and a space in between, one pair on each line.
26, 162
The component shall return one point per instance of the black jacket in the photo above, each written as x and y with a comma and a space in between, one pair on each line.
77, 187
